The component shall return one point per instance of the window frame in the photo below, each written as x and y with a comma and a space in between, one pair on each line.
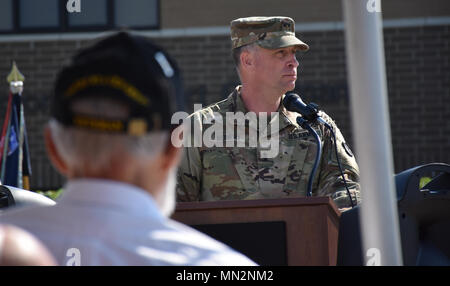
64, 27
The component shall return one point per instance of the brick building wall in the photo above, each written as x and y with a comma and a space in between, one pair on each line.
418, 73
204, 13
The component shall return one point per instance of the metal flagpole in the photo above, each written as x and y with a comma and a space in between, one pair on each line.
368, 94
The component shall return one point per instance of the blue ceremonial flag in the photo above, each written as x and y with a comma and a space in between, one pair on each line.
10, 172
14, 157
5, 139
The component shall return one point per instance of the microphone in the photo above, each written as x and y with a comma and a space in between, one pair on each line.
293, 102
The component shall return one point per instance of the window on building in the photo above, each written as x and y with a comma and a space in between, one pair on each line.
136, 13
38, 14
93, 13
6, 17
44, 16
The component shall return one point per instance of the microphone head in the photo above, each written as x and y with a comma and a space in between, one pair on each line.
293, 102
289, 101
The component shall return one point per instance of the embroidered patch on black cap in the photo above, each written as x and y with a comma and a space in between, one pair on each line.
126, 68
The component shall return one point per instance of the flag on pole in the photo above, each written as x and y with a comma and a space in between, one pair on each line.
14, 156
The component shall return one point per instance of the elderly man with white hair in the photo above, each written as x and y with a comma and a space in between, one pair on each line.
110, 136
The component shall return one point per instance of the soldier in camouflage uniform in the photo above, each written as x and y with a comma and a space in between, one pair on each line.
266, 46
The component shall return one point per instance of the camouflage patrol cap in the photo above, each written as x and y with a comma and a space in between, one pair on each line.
267, 32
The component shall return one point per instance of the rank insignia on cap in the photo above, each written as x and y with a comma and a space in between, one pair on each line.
286, 24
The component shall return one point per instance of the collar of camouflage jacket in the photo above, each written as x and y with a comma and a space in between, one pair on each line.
285, 117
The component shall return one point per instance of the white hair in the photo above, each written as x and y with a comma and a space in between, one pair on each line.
166, 199
81, 147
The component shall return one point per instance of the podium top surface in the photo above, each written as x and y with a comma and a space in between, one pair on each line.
260, 203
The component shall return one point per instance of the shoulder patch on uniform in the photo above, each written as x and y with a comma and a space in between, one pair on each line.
347, 149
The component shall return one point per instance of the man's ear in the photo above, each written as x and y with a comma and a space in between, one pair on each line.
53, 154
246, 59
171, 156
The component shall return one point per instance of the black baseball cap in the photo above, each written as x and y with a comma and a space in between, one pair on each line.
127, 68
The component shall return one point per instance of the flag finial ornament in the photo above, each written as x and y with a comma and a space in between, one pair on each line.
15, 74
15, 79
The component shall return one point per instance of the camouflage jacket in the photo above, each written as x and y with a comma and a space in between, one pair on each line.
236, 173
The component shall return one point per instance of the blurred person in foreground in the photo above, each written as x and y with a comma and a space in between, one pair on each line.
110, 136
20, 248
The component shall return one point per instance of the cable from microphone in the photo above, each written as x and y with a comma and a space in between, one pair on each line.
309, 112
305, 125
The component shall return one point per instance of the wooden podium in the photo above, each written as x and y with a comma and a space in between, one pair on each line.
308, 227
